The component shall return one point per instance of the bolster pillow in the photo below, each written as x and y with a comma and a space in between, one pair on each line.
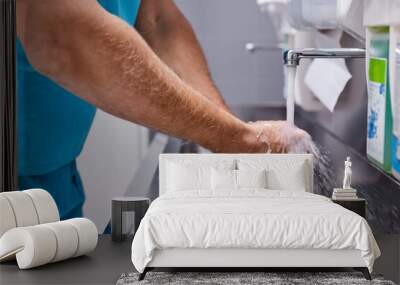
40, 244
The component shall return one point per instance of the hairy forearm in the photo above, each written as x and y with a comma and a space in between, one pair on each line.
104, 61
171, 37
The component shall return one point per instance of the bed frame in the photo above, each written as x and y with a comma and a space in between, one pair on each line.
246, 259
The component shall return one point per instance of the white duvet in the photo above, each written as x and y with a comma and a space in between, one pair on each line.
250, 219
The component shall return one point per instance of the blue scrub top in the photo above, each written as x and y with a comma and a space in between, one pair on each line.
53, 123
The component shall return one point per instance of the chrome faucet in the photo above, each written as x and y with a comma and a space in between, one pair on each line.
292, 57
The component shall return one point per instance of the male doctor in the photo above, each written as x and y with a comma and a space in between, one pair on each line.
138, 60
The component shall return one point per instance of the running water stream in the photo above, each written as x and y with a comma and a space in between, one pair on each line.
291, 78
323, 182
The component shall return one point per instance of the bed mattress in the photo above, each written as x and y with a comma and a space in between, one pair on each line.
251, 219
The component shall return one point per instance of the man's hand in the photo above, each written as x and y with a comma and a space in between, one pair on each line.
278, 137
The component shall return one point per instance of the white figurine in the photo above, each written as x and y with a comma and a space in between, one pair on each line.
347, 174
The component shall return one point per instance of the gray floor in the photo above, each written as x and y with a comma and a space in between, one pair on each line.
103, 266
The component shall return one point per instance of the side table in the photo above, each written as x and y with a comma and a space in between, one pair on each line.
358, 205
122, 209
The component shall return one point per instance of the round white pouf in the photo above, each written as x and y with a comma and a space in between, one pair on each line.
87, 235
23, 208
45, 205
7, 218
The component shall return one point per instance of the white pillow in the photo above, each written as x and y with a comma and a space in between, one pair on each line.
193, 174
251, 178
188, 177
226, 179
282, 174
296, 181
223, 179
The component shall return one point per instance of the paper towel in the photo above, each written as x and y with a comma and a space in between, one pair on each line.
304, 97
326, 78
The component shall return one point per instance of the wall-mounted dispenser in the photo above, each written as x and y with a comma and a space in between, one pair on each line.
328, 15
313, 14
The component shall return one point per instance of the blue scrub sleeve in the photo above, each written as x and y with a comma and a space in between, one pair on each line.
64, 184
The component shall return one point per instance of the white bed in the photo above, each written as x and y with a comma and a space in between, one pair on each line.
200, 223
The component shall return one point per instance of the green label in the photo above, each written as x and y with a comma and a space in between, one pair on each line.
377, 70
376, 108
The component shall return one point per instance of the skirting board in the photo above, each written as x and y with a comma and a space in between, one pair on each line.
227, 257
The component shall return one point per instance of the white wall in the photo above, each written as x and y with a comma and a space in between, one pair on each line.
108, 162
223, 28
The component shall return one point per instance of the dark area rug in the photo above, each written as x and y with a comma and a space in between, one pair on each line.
233, 278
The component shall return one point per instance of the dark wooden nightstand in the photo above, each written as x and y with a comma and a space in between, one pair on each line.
358, 206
